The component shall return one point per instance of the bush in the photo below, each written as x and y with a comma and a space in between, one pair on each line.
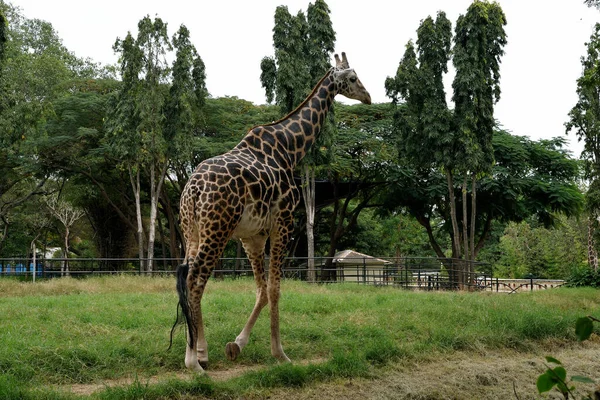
584, 277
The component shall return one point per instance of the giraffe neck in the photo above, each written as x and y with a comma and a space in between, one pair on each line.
292, 136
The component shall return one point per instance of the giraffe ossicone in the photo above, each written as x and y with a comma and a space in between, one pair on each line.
249, 193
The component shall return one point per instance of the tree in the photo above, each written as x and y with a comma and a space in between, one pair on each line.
72, 148
584, 121
460, 140
479, 43
530, 180
137, 122
531, 249
67, 215
424, 120
35, 69
3, 37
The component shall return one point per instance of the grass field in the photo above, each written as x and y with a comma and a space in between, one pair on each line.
58, 334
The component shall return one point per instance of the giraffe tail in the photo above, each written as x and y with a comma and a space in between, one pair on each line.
186, 316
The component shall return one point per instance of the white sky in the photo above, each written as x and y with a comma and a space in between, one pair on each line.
538, 73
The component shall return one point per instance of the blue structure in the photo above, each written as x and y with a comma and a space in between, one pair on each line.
17, 267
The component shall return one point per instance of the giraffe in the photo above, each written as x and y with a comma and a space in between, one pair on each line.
249, 193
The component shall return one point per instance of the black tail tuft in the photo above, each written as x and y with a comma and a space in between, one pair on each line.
186, 315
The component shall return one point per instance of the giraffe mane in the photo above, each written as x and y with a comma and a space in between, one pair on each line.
303, 103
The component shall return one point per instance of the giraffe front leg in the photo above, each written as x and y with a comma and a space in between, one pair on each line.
274, 294
279, 240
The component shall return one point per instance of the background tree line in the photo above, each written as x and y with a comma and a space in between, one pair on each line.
117, 143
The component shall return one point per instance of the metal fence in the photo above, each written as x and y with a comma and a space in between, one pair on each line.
415, 273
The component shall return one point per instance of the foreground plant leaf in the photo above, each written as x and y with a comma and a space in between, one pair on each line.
584, 328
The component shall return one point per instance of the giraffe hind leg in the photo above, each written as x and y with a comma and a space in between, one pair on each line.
255, 249
189, 318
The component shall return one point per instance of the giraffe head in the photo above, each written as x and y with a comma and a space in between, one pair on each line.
347, 81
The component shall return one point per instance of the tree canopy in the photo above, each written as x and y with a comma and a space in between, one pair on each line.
118, 143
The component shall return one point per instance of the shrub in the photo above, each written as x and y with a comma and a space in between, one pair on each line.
586, 276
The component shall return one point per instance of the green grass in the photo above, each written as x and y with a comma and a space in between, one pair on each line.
72, 331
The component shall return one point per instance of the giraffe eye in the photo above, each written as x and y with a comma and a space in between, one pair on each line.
353, 79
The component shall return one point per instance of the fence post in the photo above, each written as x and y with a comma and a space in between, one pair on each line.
531, 282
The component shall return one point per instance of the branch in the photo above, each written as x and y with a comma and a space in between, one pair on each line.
109, 201
427, 225
515, 391
8, 205
484, 235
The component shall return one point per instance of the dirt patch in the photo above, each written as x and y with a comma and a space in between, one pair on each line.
457, 376
215, 375
460, 376
219, 376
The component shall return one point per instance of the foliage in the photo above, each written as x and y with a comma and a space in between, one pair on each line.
557, 376
529, 249
398, 235
424, 121
36, 71
530, 179
73, 148
584, 117
583, 276
151, 124
592, 3
584, 121
187, 95
228, 119
360, 163
3, 37
479, 42
459, 141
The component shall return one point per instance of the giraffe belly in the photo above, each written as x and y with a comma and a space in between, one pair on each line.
256, 219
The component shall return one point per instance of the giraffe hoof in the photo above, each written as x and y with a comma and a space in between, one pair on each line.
232, 351
203, 364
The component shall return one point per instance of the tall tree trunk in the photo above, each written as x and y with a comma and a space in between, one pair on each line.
173, 227
465, 225
473, 218
328, 273
456, 253
434, 244
308, 191
453, 218
163, 242
66, 267
135, 185
155, 188
465, 231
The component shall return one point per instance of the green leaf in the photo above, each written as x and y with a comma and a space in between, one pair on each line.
553, 360
545, 383
560, 373
583, 328
582, 379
